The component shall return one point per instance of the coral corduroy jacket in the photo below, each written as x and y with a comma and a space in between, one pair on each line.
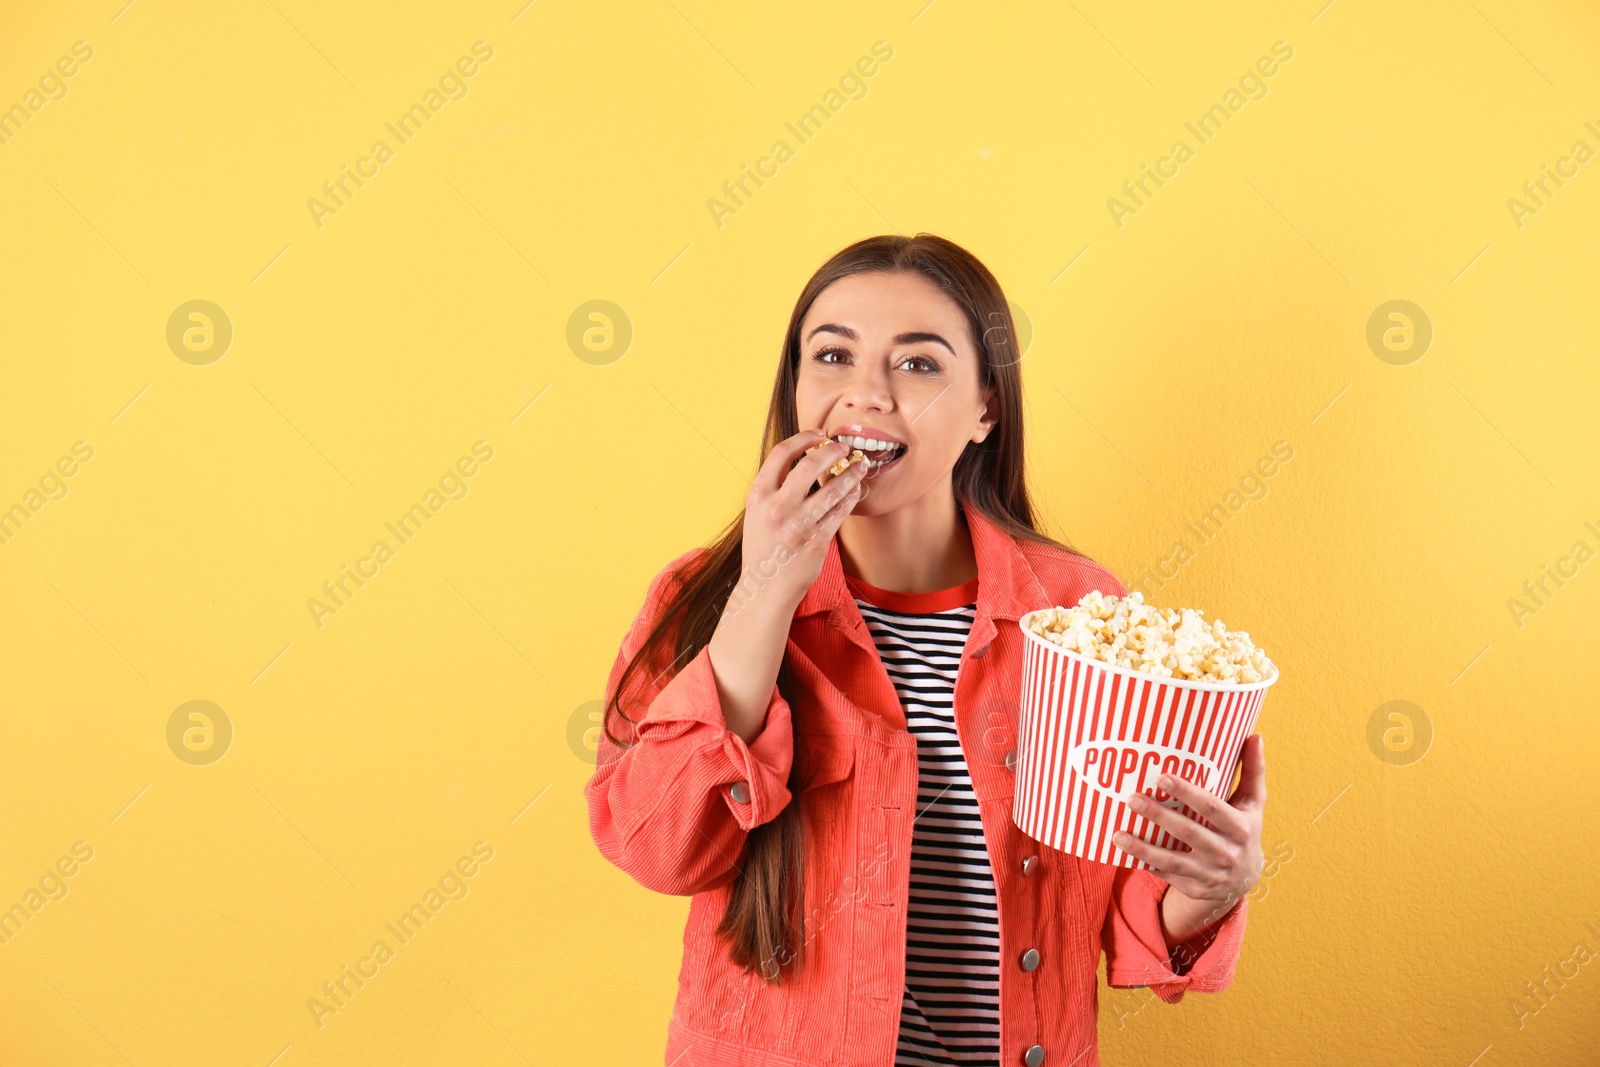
673, 811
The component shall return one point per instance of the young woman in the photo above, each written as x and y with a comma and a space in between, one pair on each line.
810, 727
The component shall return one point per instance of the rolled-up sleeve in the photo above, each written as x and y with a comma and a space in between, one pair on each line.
1136, 949
672, 809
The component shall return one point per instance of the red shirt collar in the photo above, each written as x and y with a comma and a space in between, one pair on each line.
913, 603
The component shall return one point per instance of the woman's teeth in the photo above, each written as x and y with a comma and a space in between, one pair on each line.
866, 444
889, 450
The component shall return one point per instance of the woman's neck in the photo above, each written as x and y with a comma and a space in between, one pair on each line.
920, 548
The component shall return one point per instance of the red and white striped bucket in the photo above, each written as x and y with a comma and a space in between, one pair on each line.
1093, 734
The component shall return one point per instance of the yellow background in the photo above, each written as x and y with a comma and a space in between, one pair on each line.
436, 709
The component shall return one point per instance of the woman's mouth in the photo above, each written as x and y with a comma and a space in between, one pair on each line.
881, 455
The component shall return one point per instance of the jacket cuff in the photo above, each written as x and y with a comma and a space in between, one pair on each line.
1137, 953
752, 779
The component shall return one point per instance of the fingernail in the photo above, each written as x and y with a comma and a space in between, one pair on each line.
1165, 781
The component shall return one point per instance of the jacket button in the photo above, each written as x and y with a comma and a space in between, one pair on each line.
1034, 1056
1030, 959
1011, 761
741, 792
1030, 865
979, 653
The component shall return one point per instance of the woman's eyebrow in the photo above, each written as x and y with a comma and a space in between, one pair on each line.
911, 338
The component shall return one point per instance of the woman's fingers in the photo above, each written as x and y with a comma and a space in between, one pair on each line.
776, 467
829, 507
1168, 863
1251, 791
782, 519
813, 467
1210, 807
1178, 824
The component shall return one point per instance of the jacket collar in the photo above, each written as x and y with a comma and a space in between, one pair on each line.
1007, 586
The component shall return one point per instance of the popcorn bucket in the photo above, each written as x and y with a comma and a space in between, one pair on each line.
1093, 734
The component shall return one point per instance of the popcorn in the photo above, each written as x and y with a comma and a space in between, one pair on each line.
843, 464
1167, 643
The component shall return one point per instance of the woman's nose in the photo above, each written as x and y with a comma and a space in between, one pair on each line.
870, 387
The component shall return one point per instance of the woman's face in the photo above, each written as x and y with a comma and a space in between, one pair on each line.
890, 358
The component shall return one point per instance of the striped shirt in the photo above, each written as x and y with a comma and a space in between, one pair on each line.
950, 1009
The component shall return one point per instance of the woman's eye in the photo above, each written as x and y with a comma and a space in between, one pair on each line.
919, 364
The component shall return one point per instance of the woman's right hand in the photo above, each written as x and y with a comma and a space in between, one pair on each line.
787, 532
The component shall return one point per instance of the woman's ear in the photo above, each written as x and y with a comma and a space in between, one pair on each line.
991, 415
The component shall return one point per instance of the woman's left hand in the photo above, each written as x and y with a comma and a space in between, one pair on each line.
1226, 860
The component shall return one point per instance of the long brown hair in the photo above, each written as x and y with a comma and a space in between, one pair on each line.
763, 923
